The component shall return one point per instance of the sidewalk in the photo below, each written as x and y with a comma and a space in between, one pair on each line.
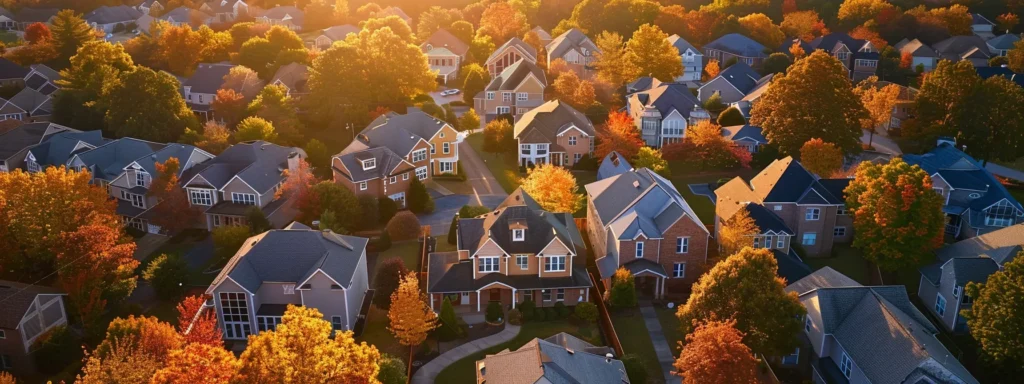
661, 347
427, 373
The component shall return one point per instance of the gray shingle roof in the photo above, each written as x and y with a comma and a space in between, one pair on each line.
527, 49
1004, 41
571, 39
444, 39
57, 149
947, 160
108, 160
638, 200
823, 278
258, 163
16, 298
33, 102
1000, 245
33, 15
285, 11
385, 164
560, 359
916, 48
113, 14
513, 75
11, 70
666, 97
682, 45
294, 76
961, 47
399, 133
519, 209
339, 32
737, 44
208, 78
739, 132
17, 139
546, 122
791, 267
741, 76
613, 164
785, 180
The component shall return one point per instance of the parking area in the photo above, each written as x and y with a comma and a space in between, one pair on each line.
440, 99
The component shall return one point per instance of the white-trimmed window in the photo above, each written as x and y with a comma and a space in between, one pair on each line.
522, 96
812, 214
243, 198
200, 196
807, 324
554, 263
679, 270
488, 264
433, 149
267, 323
810, 238
394, 179
447, 166
639, 249
839, 231
524, 149
289, 289
506, 96
545, 294
841, 210
137, 200
140, 178
369, 164
572, 140
576, 157
362, 186
421, 173
780, 241
419, 155
336, 323
523, 261
560, 294
235, 315
956, 291
683, 244
757, 241
503, 110
1000, 215
446, 147
846, 365
490, 95
405, 176
940, 305
791, 359
518, 234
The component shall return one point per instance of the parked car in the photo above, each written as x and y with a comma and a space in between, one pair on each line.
450, 92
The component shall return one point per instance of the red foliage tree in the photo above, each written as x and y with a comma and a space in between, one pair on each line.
37, 33
93, 263
230, 106
195, 327
619, 134
715, 353
173, 212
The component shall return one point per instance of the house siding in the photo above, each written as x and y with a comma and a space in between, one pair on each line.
450, 136
12, 346
330, 302
695, 257
728, 92
583, 147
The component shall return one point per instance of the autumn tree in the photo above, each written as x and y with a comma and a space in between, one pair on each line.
320, 14
91, 75
610, 59
70, 32
197, 363
995, 319
94, 264
469, 120
159, 112
712, 69
745, 288
715, 353
620, 16
896, 214
195, 327
650, 158
571, 89
554, 188
435, 18
776, 63
474, 78
125, 363
266, 54
147, 334
1016, 57
392, 22
737, 232
498, 136
501, 22
301, 350
623, 291
275, 105
805, 25
37, 33
1007, 21
820, 157
30, 54
762, 29
619, 134
243, 80
995, 126
797, 51
214, 138
173, 212
255, 128
181, 48
706, 148
410, 318
650, 54
230, 106
817, 89
879, 101
856, 12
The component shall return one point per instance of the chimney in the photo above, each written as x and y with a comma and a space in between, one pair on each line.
293, 161
608, 357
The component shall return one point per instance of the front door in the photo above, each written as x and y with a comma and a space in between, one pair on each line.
465, 298
495, 294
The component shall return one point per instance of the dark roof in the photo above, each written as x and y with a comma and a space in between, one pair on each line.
16, 299
741, 76
613, 164
11, 70
185, 15
1004, 41
681, 45
738, 132
767, 221
978, 19
294, 76
385, 164
962, 47
34, 15
399, 133
279, 13
737, 44
545, 123
258, 163
444, 39
208, 78
113, 14
57, 149
916, 48
786, 180
339, 32
666, 97
639, 266
987, 72
520, 210
829, 42
513, 75
641, 84
17, 139
571, 39
791, 267
948, 161
33, 102
518, 43
458, 277
972, 270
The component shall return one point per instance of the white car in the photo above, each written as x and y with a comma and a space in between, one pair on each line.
450, 92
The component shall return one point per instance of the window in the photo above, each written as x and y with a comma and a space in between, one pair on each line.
841, 210
809, 238
243, 198
846, 365
560, 294
442, 134
940, 305
362, 186
490, 95
235, 315
5, 362
421, 173
394, 179
807, 324
2, 335
682, 244
405, 176
572, 140
542, 149
267, 323
518, 234
545, 294
639, 249
679, 270
289, 289
843, 56
576, 157
446, 147
523, 261
792, 359
137, 201
419, 155
1000, 215
524, 149
140, 178
839, 232
521, 96
554, 263
488, 264
506, 96
757, 242
777, 208
768, 241
867, 63
200, 196
956, 291
336, 323
433, 149
780, 242
447, 166
369, 164
812, 214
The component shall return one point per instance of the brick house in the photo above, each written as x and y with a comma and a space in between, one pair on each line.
735, 45
637, 220
554, 133
516, 90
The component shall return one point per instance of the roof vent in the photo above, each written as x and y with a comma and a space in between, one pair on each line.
608, 357
570, 351
636, 184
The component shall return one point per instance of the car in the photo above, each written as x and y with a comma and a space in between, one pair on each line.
450, 92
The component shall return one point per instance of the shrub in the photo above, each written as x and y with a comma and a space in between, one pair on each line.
562, 310
450, 328
369, 212
550, 313
538, 314
228, 239
386, 209
392, 370
714, 104
382, 242
418, 198
166, 273
55, 350
258, 222
527, 308
515, 317
998, 61
432, 109
586, 163
623, 292
586, 312
404, 226
731, 117
498, 136
494, 312
635, 368
423, 98
386, 282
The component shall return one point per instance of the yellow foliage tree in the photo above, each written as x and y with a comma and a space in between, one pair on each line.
879, 101
820, 157
198, 363
737, 232
797, 51
554, 188
712, 69
410, 316
762, 29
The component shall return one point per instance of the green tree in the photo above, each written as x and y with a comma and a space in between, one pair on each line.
498, 137
636, 368
474, 80
745, 288
777, 62
157, 113
651, 158
450, 328
469, 120
650, 54
70, 32
714, 103
257, 220
586, 311
623, 292
255, 128
275, 105
435, 18
318, 157
619, 16
328, 220
997, 315
386, 281
419, 199
462, 30
897, 216
328, 195
228, 239
92, 73
166, 274
996, 123
813, 98
942, 104
392, 370
731, 117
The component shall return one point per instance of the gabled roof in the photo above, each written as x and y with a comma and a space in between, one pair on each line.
642, 84
185, 15
208, 78
108, 160
33, 102
446, 40
222, 6
639, 200
34, 15
392, 10
561, 358
548, 121
541, 33
27, 135
17, 298
823, 278
399, 133
613, 164
831, 40
57, 149
569, 40
182, 152
294, 76
681, 45
339, 32
667, 97
790, 266
767, 221
42, 79
1004, 41
520, 211
513, 75
916, 48
526, 49
11, 70
113, 14
785, 180
737, 44
950, 162
987, 72
258, 163
978, 19
999, 245
963, 270
748, 132
285, 12
386, 161
741, 76
962, 47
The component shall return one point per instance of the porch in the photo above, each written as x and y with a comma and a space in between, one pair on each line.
649, 278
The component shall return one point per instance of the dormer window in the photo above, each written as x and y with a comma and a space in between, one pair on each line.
518, 234
140, 178
369, 164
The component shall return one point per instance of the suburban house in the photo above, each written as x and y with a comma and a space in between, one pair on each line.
544, 36
29, 105
296, 266
859, 56
514, 50
733, 84
293, 77
981, 26
874, 334
637, 220
516, 90
1002, 44
56, 150
970, 48
746, 104
393, 148
554, 133
7, 20
561, 358
745, 136
641, 84
904, 108
394, 11
975, 201
328, 36
967, 261
576, 49
789, 204
921, 54
1004, 71
42, 78
30, 311
16, 143
246, 174
612, 165
225, 11
445, 53
187, 16
515, 253
148, 7
691, 57
27, 16
12, 75
286, 16
200, 89
111, 19
663, 112
735, 45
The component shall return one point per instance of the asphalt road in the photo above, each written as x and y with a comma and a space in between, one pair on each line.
486, 192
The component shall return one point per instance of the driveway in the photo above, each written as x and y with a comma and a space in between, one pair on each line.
881, 143
477, 175
446, 207
442, 100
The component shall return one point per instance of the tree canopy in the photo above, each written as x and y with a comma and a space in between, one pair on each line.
715, 353
554, 188
997, 315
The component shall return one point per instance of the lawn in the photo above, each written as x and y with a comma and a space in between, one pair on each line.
846, 260
632, 332
462, 371
442, 244
376, 333
504, 167
670, 326
408, 251
8, 37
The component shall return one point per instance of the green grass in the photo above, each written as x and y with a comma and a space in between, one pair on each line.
504, 167
443, 246
408, 251
632, 332
845, 259
463, 371
376, 333
670, 326
8, 37
1017, 194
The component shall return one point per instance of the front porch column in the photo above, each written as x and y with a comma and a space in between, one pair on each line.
513, 298
431, 301
478, 301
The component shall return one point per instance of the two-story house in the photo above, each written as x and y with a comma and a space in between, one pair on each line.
187, 16
561, 358
734, 45
7, 21
246, 174
745, 136
1002, 44
14, 144
296, 266
200, 89
637, 220
858, 334
973, 260
225, 11
810, 208
514, 50
554, 133
57, 149
691, 57
328, 36
922, 56
733, 84
578, 51
445, 54
970, 48
29, 105
663, 112
30, 311
981, 26
975, 201
376, 172
902, 111
516, 90
287, 16
543, 35
860, 57
110, 19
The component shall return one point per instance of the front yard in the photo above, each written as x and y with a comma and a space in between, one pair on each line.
408, 251
629, 326
376, 333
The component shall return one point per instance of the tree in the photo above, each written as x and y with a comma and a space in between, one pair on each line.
166, 274
386, 281
173, 212
37, 33
275, 105
619, 134
147, 334
392, 370
94, 264
586, 311
124, 364
744, 288
650, 158
610, 59
244, 81
435, 18
636, 368
230, 106
569, 88
70, 32
805, 25
198, 363
817, 90
449, 323
554, 188
158, 111
419, 199
623, 292
896, 214
714, 103
731, 117
410, 318
91, 75
462, 30
318, 158
1007, 21
856, 12
620, 16
501, 22
706, 148
469, 120
737, 232
820, 157
393, 22
181, 48
7, 378
995, 318
712, 69
327, 195
1016, 57
865, 33
195, 327
27, 55
213, 139
319, 15
879, 101
715, 353
255, 128
474, 80
996, 130
498, 136
650, 53
228, 239
403, 226
301, 350
776, 63
762, 29
257, 220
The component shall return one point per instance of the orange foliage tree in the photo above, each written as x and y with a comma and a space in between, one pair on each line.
803, 24
619, 134
571, 89
198, 363
230, 106
195, 327
501, 22
554, 188
37, 33
712, 69
820, 157
715, 353
173, 212
95, 263
410, 318
1005, 22
147, 334
706, 148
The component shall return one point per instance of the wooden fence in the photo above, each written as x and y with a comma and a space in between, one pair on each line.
604, 319
424, 251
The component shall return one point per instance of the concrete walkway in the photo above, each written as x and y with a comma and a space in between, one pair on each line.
661, 347
427, 373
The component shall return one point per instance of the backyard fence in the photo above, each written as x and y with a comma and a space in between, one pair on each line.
605, 320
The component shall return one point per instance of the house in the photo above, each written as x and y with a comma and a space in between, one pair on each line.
561, 358
576, 49
543, 35
733, 84
246, 174
975, 201
286, 15
12, 75
641, 84
904, 108
515, 253
1002, 44
516, 90
746, 104
111, 19
663, 112
981, 26
394, 11
637, 220
30, 311
187, 16
874, 334
967, 261
735, 45
150, 7
7, 20
42, 78
859, 56
1004, 71
225, 11
328, 36
57, 149
200, 89
922, 56
445, 53
745, 136
970, 48
691, 57
27, 16
393, 148
14, 144
297, 266
28, 105
293, 77
790, 204
612, 165
509, 53
554, 133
